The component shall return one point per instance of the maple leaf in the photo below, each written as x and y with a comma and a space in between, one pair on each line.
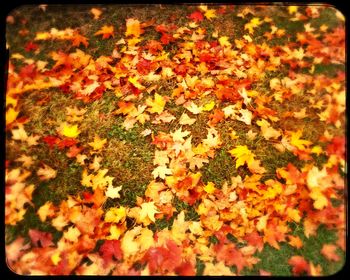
133, 28
111, 249
161, 172
320, 200
186, 120
40, 238
11, 115
267, 131
160, 158
243, 155
115, 214
210, 187
162, 259
98, 143
178, 135
299, 265
19, 134
295, 241
196, 16
210, 13
46, 210
106, 31
70, 131
95, 165
113, 192
254, 23
148, 209
217, 269
46, 172
157, 105
96, 13
72, 234
297, 142
329, 252
27, 161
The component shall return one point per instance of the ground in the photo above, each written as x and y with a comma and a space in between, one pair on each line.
175, 140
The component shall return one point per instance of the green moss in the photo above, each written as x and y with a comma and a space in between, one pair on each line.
30, 221
219, 169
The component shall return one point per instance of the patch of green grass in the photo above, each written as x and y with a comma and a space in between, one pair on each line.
130, 191
199, 267
162, 224
219, 169
190, 212
276, 261
30, 221
67, 182
329, 69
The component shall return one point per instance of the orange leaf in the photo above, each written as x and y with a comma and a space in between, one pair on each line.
299, 265
106, 31
329, 252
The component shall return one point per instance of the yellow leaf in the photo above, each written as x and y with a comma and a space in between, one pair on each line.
243, 155
156, 105
254, 22
55, 258
115, 232
46, 211
98, 143
72, 234
148, 209
317, 150
295, 141
136, 83
113, 192
320, 201
11, 115
292, 9
223, 41
70, 131
262, 221
115, 215
210, 13
294, 214
208, 107
133, 28
210, 187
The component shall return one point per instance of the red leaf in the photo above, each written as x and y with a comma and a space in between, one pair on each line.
111, 249
66, 143
255, 240
30, 46
163, 259
40, 238
196, 16
337, 147
299, 265
166, 38
186, 269
230, 255
51, 140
